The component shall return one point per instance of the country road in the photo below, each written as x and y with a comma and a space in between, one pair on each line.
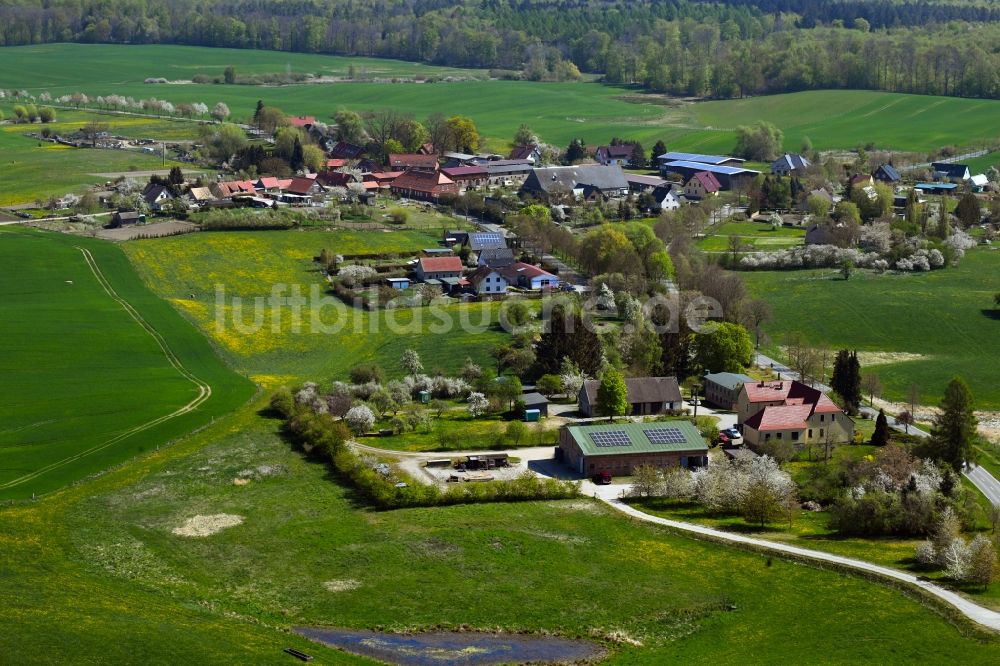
979, 476
976, 613
985, 481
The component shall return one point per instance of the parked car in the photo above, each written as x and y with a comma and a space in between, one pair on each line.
602, 478
732, 433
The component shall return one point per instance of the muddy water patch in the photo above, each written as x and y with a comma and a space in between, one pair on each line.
445, 648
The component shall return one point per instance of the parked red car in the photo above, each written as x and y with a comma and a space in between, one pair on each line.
602, 478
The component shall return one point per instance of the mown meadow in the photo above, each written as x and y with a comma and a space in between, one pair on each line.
309, 553
80, 373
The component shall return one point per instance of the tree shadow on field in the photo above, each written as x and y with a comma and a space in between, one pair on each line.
991, 313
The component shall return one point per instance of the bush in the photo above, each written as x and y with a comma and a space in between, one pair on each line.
367, 372
399, 215
322, 436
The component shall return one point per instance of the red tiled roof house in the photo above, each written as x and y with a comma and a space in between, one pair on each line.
702, 184
423, 185
435, 268
790, 411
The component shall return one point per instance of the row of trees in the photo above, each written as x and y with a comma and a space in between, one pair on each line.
114, 102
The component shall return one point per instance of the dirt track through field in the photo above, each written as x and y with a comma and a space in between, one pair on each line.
204, 390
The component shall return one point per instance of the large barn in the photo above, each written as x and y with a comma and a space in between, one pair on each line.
617, 448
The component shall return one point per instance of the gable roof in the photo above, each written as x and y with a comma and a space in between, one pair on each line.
568, 178
641, 437
301, 186
441, 264
346, 150
729, 380
790, 392
790, 162
522, 152
421, 181
154, 191
708, 181
619, 152
481, 273
301, 121
465, 172
482, 240
888, 173
711, 168
200, 194
405, 161
231, 187
951, 169
641, 389
698, 157
497, 257
645, 181
780, 417
520, 269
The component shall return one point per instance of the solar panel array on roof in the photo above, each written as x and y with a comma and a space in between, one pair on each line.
487, 239
665, 436
608, 438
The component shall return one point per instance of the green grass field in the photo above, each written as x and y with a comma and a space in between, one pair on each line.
558, 112
753, 235
249, 265
34, 170
940, 319
106, 552
981, 164
81, 374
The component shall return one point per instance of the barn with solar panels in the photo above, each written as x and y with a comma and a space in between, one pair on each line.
618, 448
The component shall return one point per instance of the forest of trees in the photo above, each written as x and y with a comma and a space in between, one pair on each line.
711, 49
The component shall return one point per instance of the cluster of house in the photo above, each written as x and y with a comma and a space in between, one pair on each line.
766, 412
496, 270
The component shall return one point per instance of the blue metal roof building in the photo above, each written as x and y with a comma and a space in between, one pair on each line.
717, 160
726, 175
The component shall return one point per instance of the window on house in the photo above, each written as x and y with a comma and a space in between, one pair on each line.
780, 434
810, 432
795, 436
821, 417
820, 432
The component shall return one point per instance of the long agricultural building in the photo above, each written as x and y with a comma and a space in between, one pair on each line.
728, 176
617, 448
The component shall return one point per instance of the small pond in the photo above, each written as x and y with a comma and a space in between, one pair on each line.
445, 648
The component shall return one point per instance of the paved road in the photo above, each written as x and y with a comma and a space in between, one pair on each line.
980, 477
984, 616
768, 362
957, 158
985, 481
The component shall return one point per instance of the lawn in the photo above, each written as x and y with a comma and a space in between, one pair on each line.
757, 236
941, 322
80, 374
455, 430
983, 163
329, 337
36, 170
810, 529
108, 554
